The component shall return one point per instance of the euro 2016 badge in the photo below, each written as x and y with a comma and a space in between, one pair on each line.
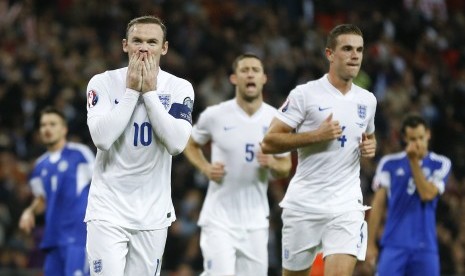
362, 111
92, 98
285, 106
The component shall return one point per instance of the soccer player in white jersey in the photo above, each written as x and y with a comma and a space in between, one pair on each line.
408, 185
60, 183
330, 121
234, 217
139, 116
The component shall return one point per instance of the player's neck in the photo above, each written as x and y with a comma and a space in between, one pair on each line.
249, 107
340, 84
59, 145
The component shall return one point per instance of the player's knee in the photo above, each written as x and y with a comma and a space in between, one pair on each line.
339, 265
304, 272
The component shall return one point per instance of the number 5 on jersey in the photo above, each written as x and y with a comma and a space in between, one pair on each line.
249, 152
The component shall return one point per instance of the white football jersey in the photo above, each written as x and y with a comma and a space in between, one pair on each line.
240, 201
327, 177
131, 185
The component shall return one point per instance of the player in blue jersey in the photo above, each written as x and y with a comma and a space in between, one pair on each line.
60, 183
408, 184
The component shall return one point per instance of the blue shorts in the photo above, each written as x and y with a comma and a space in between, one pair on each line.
401, 261
68, 260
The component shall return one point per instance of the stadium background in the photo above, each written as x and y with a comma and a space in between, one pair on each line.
414, 61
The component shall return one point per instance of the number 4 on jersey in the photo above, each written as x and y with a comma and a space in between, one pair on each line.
342, 139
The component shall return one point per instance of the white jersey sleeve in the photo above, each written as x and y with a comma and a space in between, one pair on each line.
201, 132
107, 122
293, 110
382, 178
37, 187
172, 127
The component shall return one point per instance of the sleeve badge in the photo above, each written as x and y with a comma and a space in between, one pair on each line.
92, 98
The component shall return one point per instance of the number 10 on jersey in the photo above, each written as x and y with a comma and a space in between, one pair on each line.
142, 134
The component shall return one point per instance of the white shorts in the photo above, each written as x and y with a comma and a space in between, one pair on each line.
231, 252
116, 251
304, 235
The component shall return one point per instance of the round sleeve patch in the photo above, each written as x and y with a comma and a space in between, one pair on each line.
189, 103
285, 106
92, 98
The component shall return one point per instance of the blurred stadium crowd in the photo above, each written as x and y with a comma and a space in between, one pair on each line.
414, 60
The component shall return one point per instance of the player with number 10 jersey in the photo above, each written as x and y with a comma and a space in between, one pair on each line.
132, 178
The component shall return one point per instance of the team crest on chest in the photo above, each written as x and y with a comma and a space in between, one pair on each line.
62, 166
97, 266
165, 100
426, 172
362, 111
265, 129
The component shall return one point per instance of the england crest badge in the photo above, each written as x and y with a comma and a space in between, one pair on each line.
98, 267
362, 111
165, 100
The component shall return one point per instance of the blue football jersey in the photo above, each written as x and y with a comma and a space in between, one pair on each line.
410, 222
63, 178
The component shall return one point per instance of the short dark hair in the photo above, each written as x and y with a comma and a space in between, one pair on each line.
331, 41
147, 19
243, 56
53, 110
412, 120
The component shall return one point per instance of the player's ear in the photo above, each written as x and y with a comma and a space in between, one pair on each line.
233, 79
164, 48
64, 129
264, 78
124, 42
403, 141
329, 54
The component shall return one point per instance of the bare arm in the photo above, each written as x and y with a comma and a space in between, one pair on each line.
278, 165
368, 145
374, 221
427, 190
195, 155
281, 138
27, 220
